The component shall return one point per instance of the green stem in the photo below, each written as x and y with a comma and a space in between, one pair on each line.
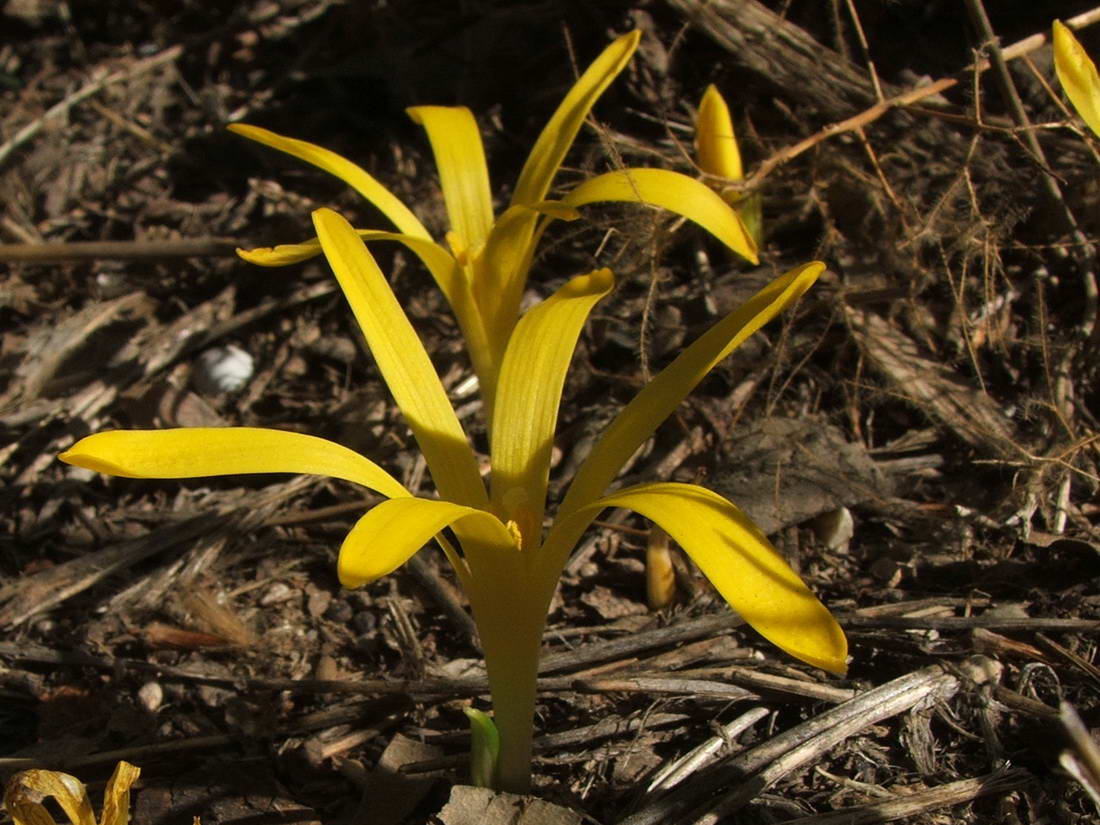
511, 618
513, 671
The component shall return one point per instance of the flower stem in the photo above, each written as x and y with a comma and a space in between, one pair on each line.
511, 617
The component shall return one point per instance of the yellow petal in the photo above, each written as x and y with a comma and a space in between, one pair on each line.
561, 130
638, 419
385, 538
743, 566
528, 397
670, 190
354, 176
401, 359
23, 793
191, 452
460, 159
1077, 74
116, 797
715, 141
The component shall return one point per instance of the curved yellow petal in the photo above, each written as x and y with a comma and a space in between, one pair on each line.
354, 176
638, 419
1077, 74
404, 364
715, 142
561, 130
391, 532
463, 175
743, 566
192, 452
670, 190
528, 397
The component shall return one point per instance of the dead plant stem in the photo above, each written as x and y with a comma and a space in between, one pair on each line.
980, 20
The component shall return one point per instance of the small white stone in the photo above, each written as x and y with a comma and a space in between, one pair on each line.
151, 696
222, 369
835, 528
276, 594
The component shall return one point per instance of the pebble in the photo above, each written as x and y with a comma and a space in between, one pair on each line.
276, 594
222, 369
151, 696
339, 611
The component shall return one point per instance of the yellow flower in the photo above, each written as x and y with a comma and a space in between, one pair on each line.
24, 793
1077, 74
507, 559
508, 566
483, 267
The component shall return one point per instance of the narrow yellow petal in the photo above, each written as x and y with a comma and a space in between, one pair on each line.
463, 175
354, 176
192, 452
561, 130
638, 419
404, 364
743, 566
1077, 74
528, 397
391, 532
670, 190
715, 141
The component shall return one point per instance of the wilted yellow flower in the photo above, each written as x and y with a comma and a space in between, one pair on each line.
25, 791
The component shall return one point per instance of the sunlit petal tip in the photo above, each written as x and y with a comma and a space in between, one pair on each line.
92, 453
598, 281
715, 140
281, 255
247, 130
1078, 76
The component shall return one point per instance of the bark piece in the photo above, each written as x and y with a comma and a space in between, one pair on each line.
781, 52
787, 471
935, 388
